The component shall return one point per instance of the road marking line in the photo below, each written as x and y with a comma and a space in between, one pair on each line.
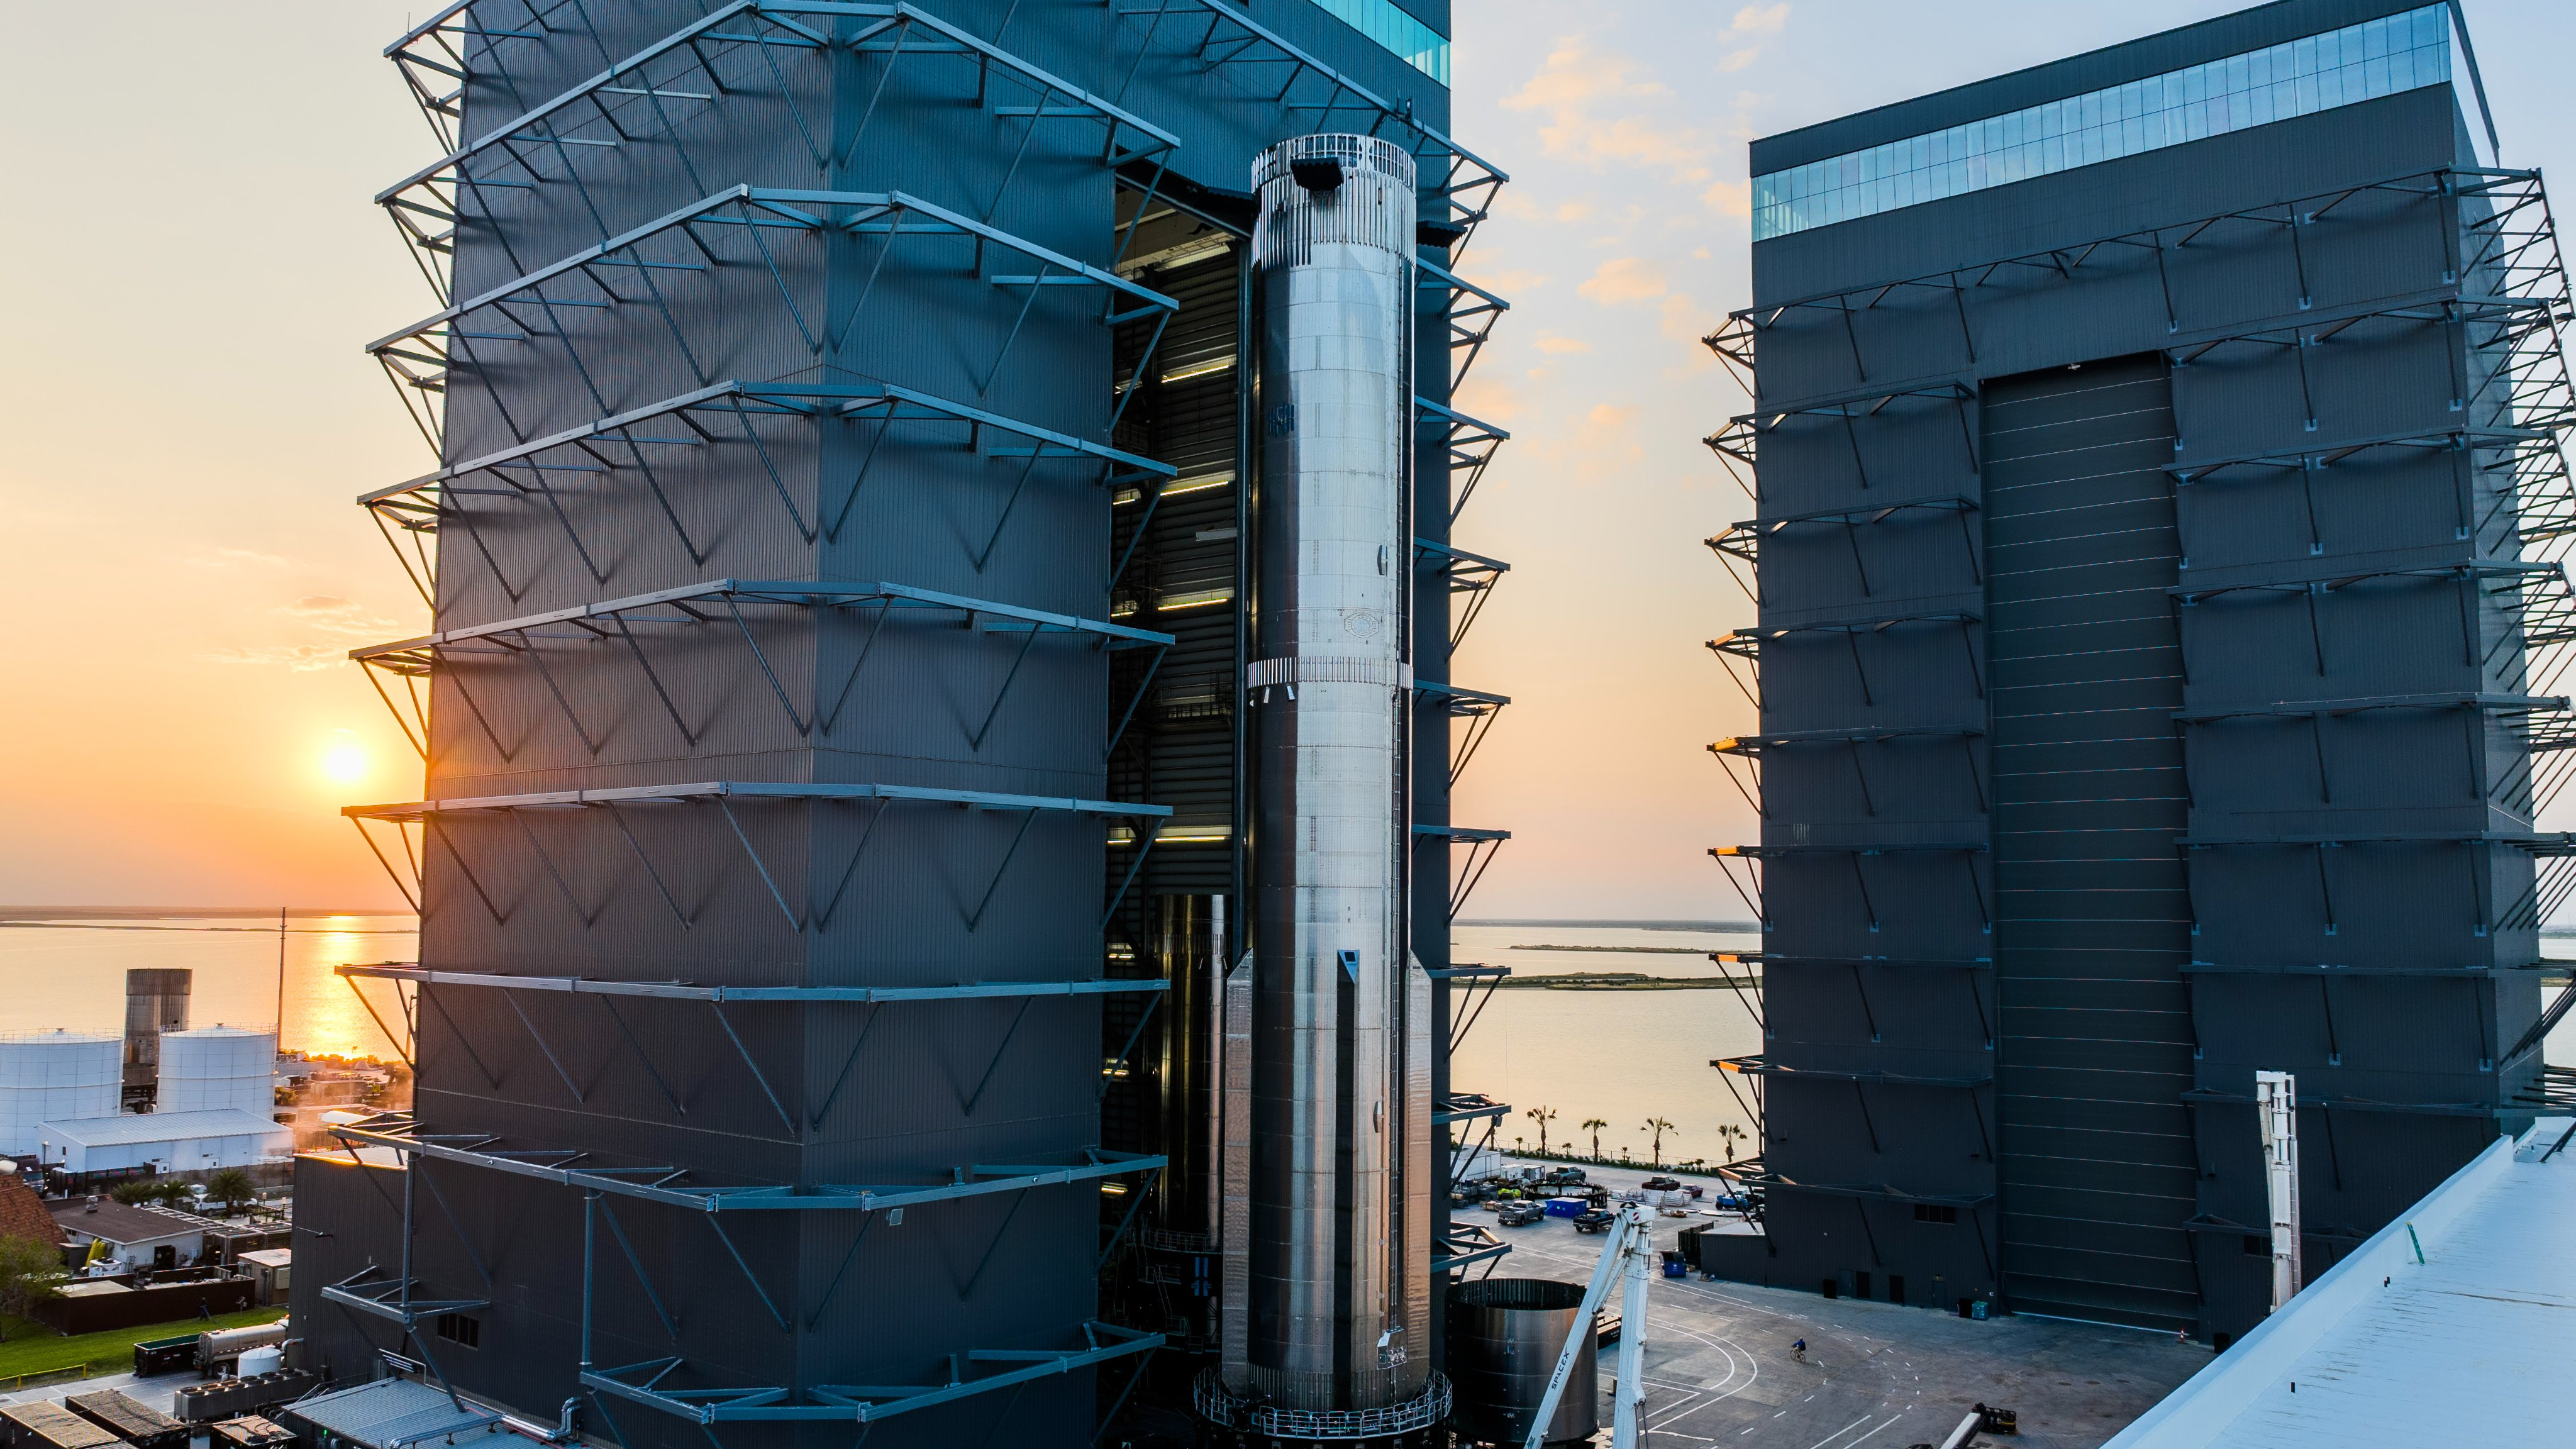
1898, 1415
1838, 1433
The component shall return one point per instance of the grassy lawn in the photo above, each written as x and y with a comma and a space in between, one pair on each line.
33, 1348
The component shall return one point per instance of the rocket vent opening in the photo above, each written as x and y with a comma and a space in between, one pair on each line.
1318, 174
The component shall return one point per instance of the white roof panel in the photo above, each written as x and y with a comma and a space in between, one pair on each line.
130, 1128
2469, 1340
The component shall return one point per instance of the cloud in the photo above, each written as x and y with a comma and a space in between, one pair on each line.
1729, 198
1607, 443
1506, 281
302, 658
335, 615
1571, 87
1624, 279
337, 620
1483, 397
1683, 321
1761, 19
1752, 20
1550, 343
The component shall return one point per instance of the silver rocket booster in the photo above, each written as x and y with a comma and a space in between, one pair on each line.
1329, 1230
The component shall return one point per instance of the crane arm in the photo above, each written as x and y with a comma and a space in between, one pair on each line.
1628, 1234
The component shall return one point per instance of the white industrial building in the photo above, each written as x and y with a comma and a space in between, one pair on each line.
213, 1067
55, 1076
2453, 1325
162, 1141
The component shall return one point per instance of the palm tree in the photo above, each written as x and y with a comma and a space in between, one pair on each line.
232, 1187
1727, 1132
1542, 1116
1594, 1125
1659, 1127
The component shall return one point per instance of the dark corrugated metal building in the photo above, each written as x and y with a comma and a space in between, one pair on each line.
833, 795
2159, 498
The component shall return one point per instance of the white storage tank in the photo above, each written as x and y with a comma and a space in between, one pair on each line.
54, 1075
213, 1067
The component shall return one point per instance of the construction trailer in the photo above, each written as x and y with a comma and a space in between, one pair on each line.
845, 537
2158, 506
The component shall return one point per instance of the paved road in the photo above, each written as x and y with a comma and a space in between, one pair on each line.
1720, 1371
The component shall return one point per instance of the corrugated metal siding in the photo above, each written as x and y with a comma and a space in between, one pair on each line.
2399, 1055
2092, 921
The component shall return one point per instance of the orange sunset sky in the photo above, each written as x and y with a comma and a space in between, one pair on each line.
194, 264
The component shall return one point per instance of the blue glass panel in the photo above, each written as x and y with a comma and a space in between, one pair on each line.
2298, 78
1411, 41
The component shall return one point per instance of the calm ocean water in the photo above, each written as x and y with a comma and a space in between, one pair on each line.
71, 973
1621, 1056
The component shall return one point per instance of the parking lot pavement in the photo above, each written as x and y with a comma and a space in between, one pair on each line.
1720, 1370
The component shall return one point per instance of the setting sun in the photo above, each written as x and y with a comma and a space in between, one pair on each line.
344, 761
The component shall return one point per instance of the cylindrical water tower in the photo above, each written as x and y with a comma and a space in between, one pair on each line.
55, 1076
1505, 1335
1336, 1242
156, 1000
219, 1066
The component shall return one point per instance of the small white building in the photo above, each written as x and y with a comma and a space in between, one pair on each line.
163, 1141
138, 1235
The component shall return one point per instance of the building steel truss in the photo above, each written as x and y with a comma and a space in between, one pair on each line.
645, 97
1751, 750
1475, 706
816, 916
610, 449
715, 603
423, 360
2505, 233
1741, 651
648, 1384
1266, 66
1743, 541
716, 998
1470, 445
1470, 576
1738, 445
1481, 846
1470, 1004
2550, 887
1472, 312
1752, 858
2476, 710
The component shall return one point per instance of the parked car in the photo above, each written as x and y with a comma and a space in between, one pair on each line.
1662, 1184
1594, 1220
1519, 1214
1562, 1177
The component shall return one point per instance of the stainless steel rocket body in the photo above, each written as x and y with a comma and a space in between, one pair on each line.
1335, 1228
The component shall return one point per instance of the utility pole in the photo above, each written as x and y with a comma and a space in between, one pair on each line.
2276, 1107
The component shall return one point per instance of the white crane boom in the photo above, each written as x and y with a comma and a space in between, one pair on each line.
1630, 1246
